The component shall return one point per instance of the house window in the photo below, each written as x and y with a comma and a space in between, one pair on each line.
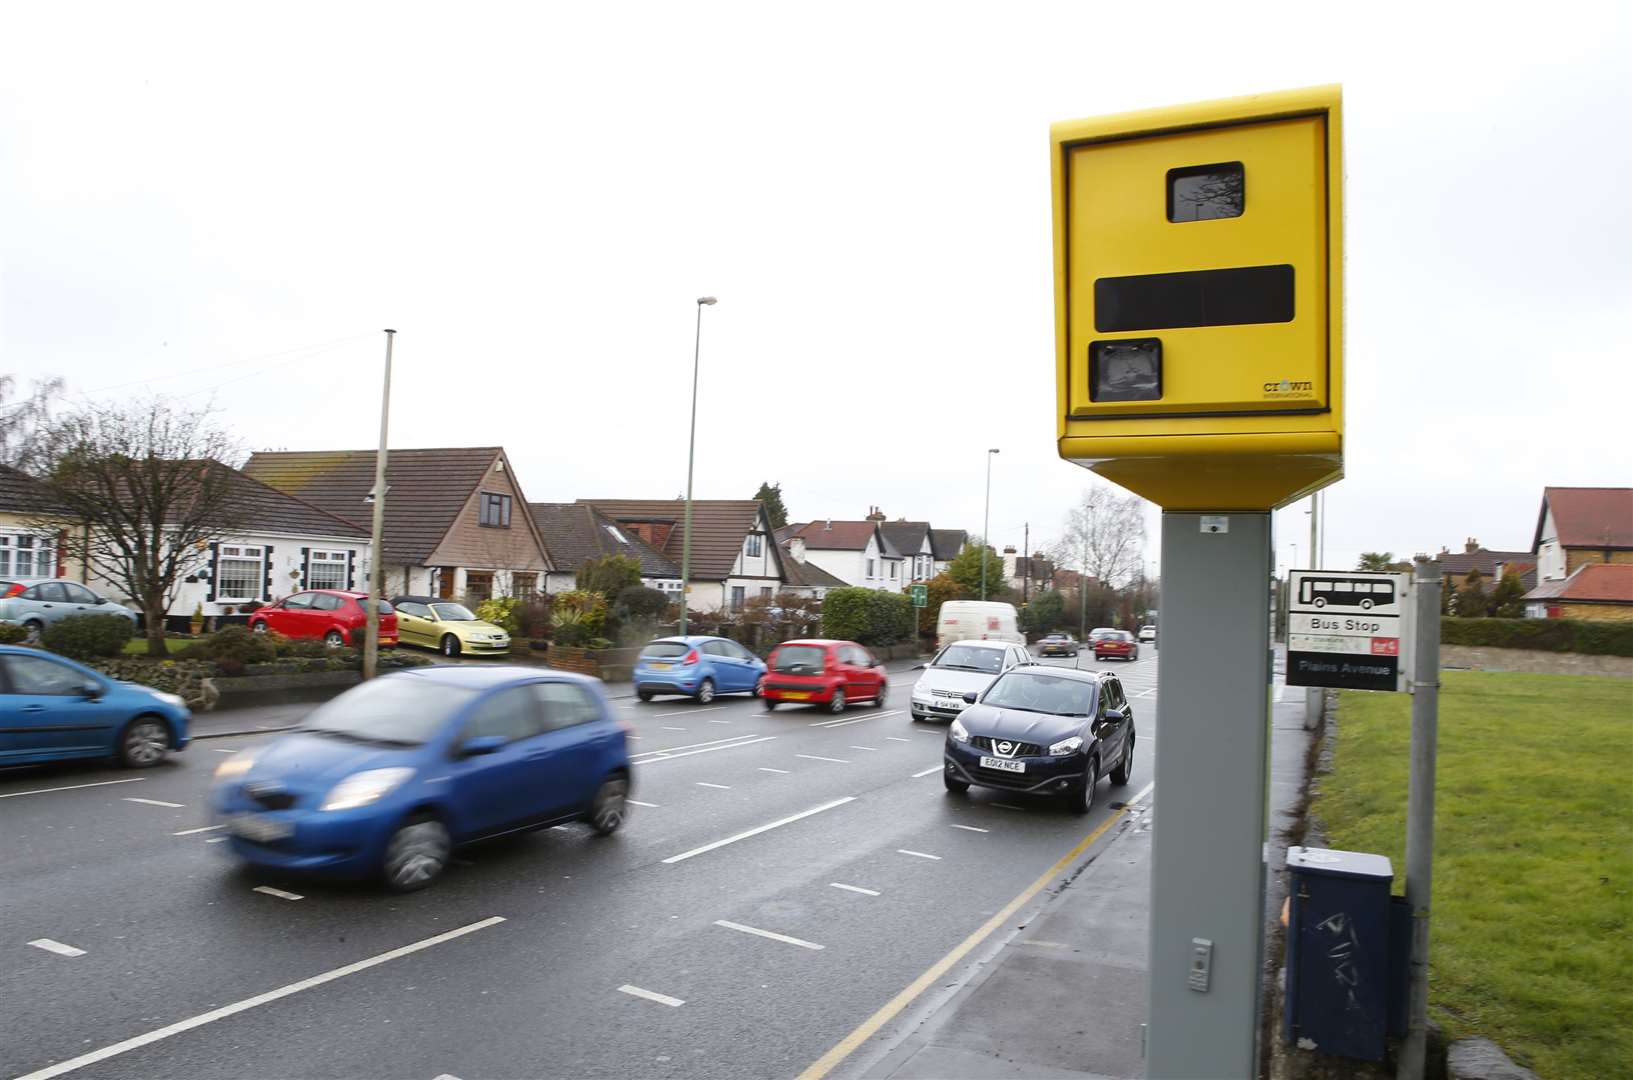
326, 570
616, 535
478, 585
524, 586
495, 510
894, 565
737, 597
26, 556
765, 592
753, 549
870, 568
238, 573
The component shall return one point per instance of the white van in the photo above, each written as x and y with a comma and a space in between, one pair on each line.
977, 620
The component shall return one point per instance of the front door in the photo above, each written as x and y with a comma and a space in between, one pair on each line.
445, 583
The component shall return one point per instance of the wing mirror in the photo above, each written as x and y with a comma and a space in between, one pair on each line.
969, 698
1116, 716
92, 689
481, 744
919, 667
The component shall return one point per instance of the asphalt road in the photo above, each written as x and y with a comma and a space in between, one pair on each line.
784, 876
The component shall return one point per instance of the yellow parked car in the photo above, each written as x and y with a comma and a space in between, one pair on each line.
448, 627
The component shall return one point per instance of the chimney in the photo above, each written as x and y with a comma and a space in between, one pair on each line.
1470, 546
829, 527
796, 548
875, 514
1009, 549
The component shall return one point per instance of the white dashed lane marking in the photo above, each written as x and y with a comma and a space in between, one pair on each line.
855, 747
767, 934
917, 854
158, 802
927, 772
764, 768
636, 802
853, 888
817, 757
790, 819
206, 828
722, 787
666, 727
56, 947
649, 995
279, 893
896, 738
71, 787
970, 828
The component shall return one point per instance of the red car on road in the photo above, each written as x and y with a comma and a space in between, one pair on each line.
823, 672
1118, 643
335, 616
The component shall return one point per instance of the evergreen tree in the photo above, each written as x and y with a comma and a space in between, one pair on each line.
771, 495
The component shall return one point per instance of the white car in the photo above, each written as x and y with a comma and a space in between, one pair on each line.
1148, 633
964, 667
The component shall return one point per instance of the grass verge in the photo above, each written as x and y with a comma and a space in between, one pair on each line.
1533, 880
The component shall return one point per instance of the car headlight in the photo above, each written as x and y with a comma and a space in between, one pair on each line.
175, 700
958, 731
1066, 746
237, 765
360, 789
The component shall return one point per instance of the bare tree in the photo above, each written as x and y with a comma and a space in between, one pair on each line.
150, 485
21, 416
1104, 536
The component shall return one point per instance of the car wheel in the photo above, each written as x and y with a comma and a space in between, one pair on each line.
879, 698
33, 630
334, 639
954, 785
608, 808
644, 695
450, 645
705, 691
144, 743
836, 704
771, 706
759, 688
1136, 655
1124, 768
416, 854
259, 627
1080, 797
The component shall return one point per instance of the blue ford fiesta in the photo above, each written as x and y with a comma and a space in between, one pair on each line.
698, 667
52, 709
390, 776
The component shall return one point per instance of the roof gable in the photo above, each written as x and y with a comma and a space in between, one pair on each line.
1588, 517
576, 533
719, 527
945, 544
907, 537
830, 535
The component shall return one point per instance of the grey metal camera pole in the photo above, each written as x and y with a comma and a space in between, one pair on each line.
1314, 696
1420, 807
371, 633
1208, 832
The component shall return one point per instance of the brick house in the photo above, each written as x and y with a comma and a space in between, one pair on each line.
1584, 554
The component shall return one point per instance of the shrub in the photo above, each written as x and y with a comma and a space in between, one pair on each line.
238, 643
609, 575
867, 616
578, 617
640, 602
533, 616
12, 634
1549, 635
89, 637
501, 611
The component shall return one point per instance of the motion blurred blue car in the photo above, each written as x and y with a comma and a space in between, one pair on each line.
389, 777
52, 709
698, 667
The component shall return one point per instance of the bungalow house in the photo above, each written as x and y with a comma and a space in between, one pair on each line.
456, 521
1490, 565
945, 546
1583, 549
32, 542
575, 533
912, 540
1592, 591
855, 552
733, 556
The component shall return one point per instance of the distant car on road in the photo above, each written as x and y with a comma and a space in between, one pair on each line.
35, 603
1148, 633
52, 709
389, 777
1116, 643
697, 667
446, 626
1045, 731
334, 616
959, 669
1059, 645
820, 671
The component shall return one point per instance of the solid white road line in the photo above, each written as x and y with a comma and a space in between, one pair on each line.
917, 854
970, 828
236, 1007
896, 738
57, 947
661, 999
636, 802
854, 888
190, 832
158, 802
668, 755
927, 772
767, 934
279, 893
71, 787
759, 829
722, 787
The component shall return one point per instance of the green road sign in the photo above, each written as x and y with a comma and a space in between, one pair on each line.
920, 595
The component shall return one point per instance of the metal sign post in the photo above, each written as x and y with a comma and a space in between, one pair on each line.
1420, 808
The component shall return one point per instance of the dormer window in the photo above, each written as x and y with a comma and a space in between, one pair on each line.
754, 546
495, 510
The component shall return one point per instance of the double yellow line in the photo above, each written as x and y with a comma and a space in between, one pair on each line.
870, 1027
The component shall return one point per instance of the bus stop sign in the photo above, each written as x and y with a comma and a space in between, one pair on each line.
1349, 629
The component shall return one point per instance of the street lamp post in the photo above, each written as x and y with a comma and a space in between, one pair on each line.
371, 629
691, 455
986, 525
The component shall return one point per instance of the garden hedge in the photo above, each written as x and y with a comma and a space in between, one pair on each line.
867, 616
1546, 635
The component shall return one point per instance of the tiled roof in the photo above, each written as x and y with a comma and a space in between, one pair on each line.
809, 575
1461, 562
255, 507
425, 489
575, 533
1526, 570
20, 493
906, 537
945, 544
1595, 583
718, 525
838, 535
1588, 517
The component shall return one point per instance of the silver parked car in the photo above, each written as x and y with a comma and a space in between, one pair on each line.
964, 667
35, 603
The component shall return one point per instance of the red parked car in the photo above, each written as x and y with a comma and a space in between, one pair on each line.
1118, 643
334, 615
823, 672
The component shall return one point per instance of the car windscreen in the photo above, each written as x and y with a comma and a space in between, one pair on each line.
970, 658
452, 613
798, 659
402, 710
1031, 691
659, 650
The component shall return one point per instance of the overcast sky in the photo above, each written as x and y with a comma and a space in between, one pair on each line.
228, 203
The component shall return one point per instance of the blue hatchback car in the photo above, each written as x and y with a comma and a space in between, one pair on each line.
389, 777
698, 667
52, 709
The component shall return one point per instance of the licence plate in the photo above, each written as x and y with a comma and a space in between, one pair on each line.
796, 695
662, 667
1003, 764
259, 827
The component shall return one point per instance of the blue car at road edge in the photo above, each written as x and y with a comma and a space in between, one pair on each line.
698, 667
53, 709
